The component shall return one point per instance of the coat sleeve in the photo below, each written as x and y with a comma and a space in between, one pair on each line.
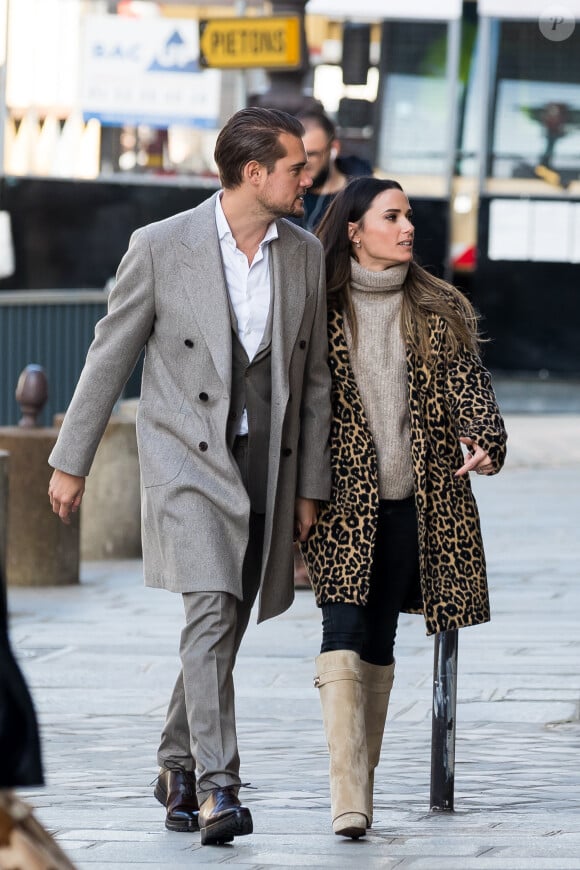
314, 448
119, 339
473, 407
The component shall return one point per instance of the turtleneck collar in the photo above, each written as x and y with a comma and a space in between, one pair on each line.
388, 279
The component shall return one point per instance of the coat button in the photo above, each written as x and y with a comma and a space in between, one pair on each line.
203, 397
203, 446
287, 451
302, 344
188, 342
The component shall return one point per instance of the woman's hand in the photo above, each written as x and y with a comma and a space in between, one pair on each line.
305, 513
477, 459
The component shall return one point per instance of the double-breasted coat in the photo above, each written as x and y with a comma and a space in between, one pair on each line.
171, 298
449, 397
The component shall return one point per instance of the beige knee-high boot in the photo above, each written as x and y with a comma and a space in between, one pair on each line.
339, 681
377, 681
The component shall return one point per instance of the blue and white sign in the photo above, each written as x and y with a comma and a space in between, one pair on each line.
146, 71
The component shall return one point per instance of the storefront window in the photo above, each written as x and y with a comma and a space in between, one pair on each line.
415, 99
95, 88
536, 121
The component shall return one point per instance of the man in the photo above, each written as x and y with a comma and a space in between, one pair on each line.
233, 423
330, 172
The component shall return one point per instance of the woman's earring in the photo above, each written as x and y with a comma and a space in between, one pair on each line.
357, 243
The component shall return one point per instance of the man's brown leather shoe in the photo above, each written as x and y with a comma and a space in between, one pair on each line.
222, 817
175, 789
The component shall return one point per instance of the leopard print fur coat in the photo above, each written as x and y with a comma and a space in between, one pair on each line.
448, 398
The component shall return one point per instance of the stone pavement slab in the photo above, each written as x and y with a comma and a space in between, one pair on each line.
101, 658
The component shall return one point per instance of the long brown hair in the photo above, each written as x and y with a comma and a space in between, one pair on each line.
424, 295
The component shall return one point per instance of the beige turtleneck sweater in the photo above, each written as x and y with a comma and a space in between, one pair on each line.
380, 370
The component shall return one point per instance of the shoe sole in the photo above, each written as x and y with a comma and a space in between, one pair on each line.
354, 832
236, 824
350, 825
183, 827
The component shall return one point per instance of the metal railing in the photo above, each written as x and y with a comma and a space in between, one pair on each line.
52, 328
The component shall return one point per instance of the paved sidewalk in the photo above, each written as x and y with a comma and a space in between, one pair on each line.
101, 658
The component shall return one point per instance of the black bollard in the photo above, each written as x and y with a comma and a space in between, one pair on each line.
31, 394
443, 722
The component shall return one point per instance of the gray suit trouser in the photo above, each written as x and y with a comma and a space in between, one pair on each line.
200, 727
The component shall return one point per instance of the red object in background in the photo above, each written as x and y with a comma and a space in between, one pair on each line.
467, 259
132, 9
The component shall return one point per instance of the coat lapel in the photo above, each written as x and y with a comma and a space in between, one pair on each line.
204, 283
290, 281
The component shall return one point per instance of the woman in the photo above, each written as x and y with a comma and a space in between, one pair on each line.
401, 531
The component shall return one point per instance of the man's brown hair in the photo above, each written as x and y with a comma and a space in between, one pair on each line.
252, 134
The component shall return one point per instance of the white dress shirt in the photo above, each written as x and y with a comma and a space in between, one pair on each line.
248, 287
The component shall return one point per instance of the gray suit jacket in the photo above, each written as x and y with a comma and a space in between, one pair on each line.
171, 298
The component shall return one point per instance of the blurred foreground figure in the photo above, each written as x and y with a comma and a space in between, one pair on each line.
20, 760
24, 844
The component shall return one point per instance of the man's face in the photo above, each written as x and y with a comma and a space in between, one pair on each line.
318, 146
282, 190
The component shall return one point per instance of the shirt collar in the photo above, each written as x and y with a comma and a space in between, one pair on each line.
225, 233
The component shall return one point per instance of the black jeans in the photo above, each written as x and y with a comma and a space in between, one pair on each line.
370, 631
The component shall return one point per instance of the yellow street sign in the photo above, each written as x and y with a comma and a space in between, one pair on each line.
231, 43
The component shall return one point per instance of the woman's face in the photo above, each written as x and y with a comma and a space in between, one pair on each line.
385, 232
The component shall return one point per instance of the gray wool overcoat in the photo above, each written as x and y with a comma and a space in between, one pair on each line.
171, 298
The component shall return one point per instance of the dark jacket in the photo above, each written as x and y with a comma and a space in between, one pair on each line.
315, 204
20, 762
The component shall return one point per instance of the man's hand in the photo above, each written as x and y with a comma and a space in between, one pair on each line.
305, 513
65, 492
477, 460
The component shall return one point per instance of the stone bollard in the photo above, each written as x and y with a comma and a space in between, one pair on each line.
40, 549
111, 508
